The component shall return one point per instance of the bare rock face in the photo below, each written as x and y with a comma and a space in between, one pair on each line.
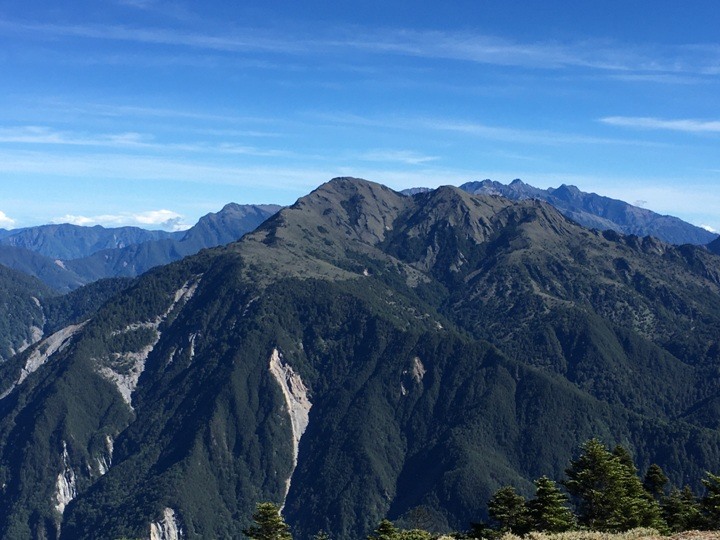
296, 400
168, 528
66, 485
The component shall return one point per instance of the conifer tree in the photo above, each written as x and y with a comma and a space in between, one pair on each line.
385, 531
415, 534
710, 503
609, 494
655, 481
548, 511
681, 510
269, 524
623, 456
509, 510
638, 507
594, 480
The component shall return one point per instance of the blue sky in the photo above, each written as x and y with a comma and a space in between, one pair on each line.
153, 113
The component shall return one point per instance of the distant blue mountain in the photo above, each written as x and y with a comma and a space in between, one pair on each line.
598, 212
68, 256
66, 241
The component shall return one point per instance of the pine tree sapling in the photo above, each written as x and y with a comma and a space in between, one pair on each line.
548, 511
509, 510
269, 524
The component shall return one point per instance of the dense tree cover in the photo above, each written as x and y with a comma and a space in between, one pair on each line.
608, 496
21, 314
450, 345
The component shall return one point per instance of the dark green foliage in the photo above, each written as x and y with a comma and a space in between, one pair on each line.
385, 531
21, 315
510, 511
608, 493
681, 510
710, 503
81, 303
655, 481
269, 524
548, 511
449, 345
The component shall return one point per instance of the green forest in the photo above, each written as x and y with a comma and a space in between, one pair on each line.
602, 491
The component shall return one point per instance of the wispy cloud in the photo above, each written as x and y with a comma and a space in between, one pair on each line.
5, 220
643, 122
47, 135
477, 129
397, 156
42, 135
163, 219
428, 44
708, 228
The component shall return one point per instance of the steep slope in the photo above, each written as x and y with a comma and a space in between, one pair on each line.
21, 314
714, 246
362, 354
211, 230
29, 310
594, 307
51, 272
225, 226
598, 212
66, 257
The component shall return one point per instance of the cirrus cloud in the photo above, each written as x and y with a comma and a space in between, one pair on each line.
688, 125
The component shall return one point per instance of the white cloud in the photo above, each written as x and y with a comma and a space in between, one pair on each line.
166, 219
163, 219
462, 46
43, 135
397, 156
50, 136
6, 221
708, 228
477, 129
643, 122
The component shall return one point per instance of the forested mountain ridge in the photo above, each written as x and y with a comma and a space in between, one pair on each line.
30, 310
363, 354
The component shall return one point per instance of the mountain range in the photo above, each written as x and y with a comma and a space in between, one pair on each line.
361, 354
598, 212
66, 256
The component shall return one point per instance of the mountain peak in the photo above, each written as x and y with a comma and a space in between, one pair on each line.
597, 212
567, 189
